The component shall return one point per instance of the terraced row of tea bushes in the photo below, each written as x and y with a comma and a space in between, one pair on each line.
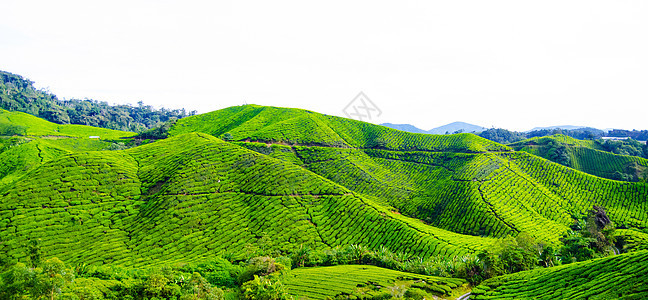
624, 202
214, 154
585, 156
282, 152
17, 159
631, 240
442, 200
608, 165
465, 193
35, 126
355, 170
184, 198
368, 281
400, 184
77, 205
209, 165
614, 277
296, 126
524, 205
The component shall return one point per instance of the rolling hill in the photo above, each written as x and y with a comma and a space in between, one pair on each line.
183, 198
429, 177
312, 167
615, 277
587, 156
229, 178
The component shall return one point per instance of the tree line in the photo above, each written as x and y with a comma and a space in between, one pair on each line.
19, 94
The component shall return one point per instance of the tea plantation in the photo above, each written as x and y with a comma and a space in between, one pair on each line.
363, 281
228, 182
587, 156
24, 124
616, 277
150, 204
302, 127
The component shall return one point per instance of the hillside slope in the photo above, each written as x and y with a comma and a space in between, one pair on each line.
452, 182
26, 124
615, 277
183, 198
586, 156
302, 127
27, 141
336, 182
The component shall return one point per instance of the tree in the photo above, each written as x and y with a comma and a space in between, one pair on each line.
51, 279
227, 136
16, 281
264, 288
199, 288
592, 237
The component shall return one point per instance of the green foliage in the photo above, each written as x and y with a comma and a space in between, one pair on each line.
594, 236
502, 136
46, 281
259, 266
160, 132
19, 94
614, 277
199, 288
18, 123
264, 288
629, 240
302, 127
510, 255
368, 281
592, 157
217, 271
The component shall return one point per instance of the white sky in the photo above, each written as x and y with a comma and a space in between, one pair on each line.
511, 64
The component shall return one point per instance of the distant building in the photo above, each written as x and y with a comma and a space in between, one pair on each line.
614, 138
94, 137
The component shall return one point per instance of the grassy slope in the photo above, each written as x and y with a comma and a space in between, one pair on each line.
586, 156
186, 197
491, 194
38, 127
296, 126
615, 277
44, 141
461, 183
190, 195
322, 282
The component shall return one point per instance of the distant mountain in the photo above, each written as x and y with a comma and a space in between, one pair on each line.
455, 126
404, 127
450, 128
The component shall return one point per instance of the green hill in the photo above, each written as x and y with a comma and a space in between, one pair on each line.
183, 198
290, 175
12, 123
614, 277
27, 141
586, 156
365, 281
301, 127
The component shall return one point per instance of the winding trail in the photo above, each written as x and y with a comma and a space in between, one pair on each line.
465, 296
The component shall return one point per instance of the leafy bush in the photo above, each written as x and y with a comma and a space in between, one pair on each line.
264, 288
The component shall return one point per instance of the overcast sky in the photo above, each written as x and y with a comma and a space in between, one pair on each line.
511, 64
